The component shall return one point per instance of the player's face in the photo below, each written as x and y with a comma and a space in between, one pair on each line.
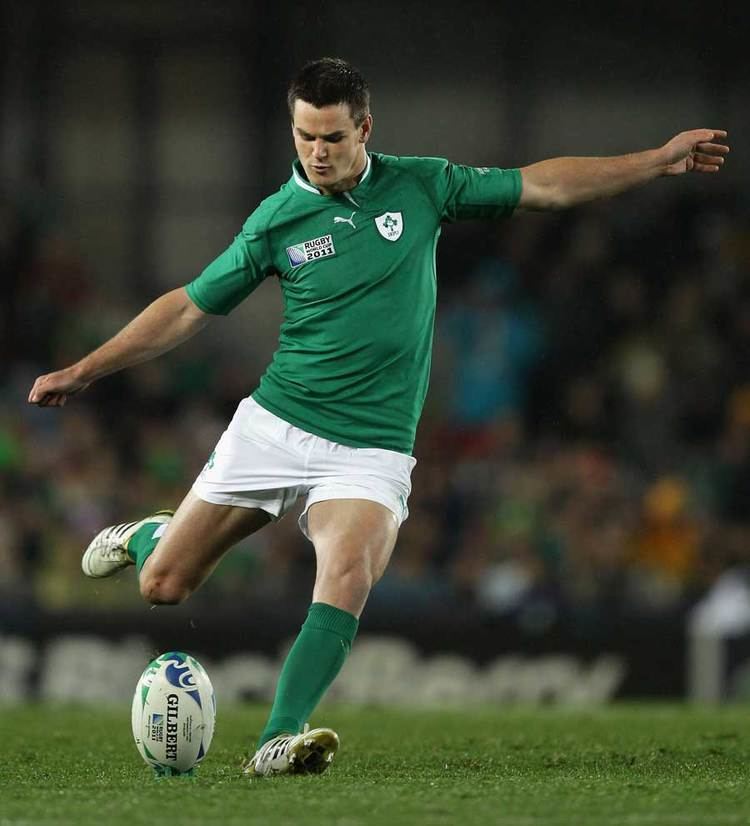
330, 146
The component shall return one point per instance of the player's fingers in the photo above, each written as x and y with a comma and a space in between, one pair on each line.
713, 148
52, 400
36, 393
714, 160
709, 134
705, 167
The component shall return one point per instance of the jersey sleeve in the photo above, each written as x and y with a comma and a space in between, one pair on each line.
233, 275
466, 192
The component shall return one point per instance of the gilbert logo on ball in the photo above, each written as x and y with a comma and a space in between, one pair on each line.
173, 714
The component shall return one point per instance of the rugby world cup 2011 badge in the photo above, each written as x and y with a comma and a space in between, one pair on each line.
390, 225
311, 250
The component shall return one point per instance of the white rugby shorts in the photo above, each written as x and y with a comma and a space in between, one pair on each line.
263, 462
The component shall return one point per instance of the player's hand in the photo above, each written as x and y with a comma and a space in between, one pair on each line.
695, 151
53, 389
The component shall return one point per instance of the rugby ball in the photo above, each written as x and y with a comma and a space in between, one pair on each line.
173, 714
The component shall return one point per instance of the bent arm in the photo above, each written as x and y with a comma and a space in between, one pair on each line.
563, 182
164, 324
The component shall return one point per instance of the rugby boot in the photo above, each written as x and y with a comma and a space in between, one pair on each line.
308, 753
108, 552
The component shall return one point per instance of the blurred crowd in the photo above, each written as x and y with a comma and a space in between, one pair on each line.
584, 453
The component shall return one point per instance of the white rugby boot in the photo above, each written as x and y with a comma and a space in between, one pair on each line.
308, 753
108, 552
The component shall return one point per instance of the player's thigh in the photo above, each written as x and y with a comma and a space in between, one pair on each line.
198, 536
352, 535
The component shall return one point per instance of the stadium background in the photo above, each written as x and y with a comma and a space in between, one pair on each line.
584, 458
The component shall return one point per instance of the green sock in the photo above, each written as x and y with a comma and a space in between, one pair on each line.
310, 667
143, 542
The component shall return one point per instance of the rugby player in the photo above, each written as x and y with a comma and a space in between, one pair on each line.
351, 239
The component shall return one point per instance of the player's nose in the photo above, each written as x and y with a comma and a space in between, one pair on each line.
320, 150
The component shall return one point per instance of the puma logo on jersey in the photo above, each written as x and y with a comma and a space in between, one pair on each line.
350, 220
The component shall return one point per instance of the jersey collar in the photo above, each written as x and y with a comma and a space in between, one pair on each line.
298, 176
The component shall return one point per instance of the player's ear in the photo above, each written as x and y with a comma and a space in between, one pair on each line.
365, 130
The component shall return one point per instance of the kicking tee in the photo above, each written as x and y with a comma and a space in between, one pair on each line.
357, 276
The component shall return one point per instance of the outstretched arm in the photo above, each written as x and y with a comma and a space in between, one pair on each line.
164, 324
564, 182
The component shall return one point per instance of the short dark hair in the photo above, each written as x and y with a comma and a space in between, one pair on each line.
329, 81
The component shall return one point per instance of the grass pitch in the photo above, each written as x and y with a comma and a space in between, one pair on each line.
627, 765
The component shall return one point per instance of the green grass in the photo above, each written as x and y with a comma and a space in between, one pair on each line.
626, 765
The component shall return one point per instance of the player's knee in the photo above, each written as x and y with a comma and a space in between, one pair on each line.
159, 590
351, 573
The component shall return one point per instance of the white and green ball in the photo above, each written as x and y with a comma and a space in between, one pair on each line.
173, 714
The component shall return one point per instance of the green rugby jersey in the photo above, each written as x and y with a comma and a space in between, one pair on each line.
357, 276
